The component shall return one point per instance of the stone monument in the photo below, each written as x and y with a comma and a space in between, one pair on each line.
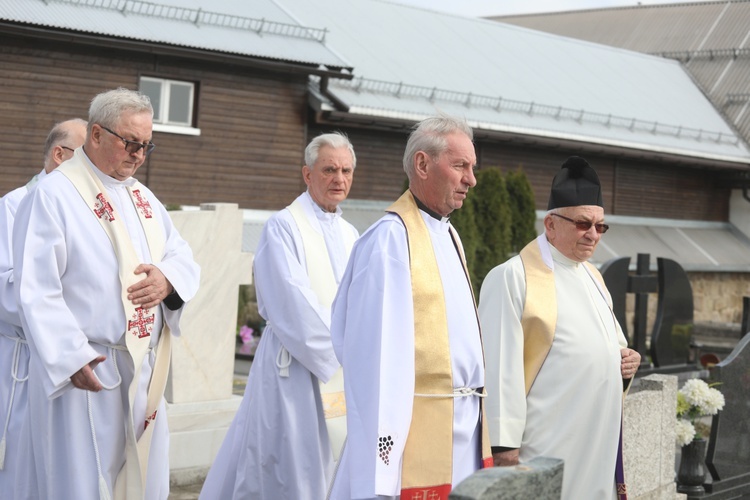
539, 479
673, 327
200, 403
728, 457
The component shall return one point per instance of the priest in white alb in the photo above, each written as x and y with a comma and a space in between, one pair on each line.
101, 277
405, 329
558, 365
290, 427
62, 139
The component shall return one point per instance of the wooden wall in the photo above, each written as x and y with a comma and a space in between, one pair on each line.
629, 188
255, 125
643, 189
252, 124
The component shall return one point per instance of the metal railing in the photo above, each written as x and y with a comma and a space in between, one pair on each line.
500, 105
201, 17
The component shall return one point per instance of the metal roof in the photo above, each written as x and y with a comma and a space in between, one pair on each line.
506, 78
411, 62
711, 39
258, 29
696, 245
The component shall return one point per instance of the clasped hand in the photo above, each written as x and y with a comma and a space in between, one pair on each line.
151, 290
147, 293
629, 363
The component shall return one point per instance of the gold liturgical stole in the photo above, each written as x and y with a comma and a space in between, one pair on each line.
131, 480
324, 285
539, 318
427, 467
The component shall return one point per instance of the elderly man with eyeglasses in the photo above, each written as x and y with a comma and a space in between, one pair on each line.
101, 278
558, 365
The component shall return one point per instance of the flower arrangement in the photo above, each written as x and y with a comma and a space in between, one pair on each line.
249, 340
245, 333
696, 399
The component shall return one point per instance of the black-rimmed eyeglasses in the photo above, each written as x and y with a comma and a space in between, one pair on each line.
132, 147
585, 225
69, 149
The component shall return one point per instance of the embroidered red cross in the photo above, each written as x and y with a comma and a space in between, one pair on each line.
440, 492
141, 322
142, 204
102, 208
427, 494
150, 419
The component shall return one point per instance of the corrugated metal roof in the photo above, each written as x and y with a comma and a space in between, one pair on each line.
259, 29
711, 39
696, 245
412, 62
502, 77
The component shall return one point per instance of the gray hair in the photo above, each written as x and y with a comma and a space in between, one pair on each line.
60, 131
429, 136
107, 107
334, 140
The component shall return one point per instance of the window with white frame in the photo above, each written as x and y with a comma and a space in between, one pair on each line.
172, 101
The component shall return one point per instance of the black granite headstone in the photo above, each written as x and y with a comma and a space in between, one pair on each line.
615, 274
673, 327
728, 457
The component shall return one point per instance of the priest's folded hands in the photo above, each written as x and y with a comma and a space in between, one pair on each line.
152, 290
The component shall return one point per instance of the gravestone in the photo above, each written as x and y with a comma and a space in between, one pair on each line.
673, 326
199, 390
540, 479
728, 457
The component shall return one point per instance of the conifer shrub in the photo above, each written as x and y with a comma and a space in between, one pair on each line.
522, 207
493, 219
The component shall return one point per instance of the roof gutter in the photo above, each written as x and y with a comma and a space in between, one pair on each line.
399, 121
81, 38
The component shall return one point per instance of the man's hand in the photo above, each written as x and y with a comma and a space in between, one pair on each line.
151, 290
85, 378
630, 362
505, 458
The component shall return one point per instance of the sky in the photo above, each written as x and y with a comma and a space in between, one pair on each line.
481, 8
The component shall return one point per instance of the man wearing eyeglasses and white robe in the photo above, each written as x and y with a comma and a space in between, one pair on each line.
101, 277
557, 360
62, 139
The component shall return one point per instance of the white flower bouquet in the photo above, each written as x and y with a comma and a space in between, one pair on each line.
696, 399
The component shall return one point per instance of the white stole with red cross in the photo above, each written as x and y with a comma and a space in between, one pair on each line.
131, 481
323, 283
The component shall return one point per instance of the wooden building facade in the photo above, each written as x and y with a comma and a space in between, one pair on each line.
255, 120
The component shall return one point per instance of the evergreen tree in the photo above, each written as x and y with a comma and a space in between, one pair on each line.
464, 223
493, 218
522, 206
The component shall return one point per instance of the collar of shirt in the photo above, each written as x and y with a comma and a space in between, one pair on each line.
429, 211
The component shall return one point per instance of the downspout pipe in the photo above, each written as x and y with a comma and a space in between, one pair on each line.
338, 103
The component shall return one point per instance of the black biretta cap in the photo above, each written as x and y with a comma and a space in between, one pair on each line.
575, 184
